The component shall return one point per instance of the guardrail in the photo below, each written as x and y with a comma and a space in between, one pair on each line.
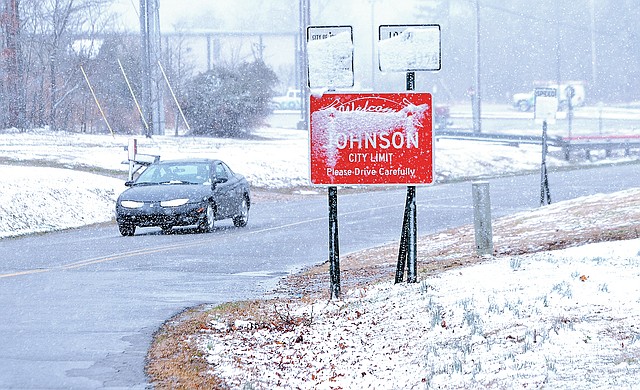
510, 139
608, 143
588, 143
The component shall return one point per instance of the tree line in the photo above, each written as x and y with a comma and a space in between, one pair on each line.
55, 53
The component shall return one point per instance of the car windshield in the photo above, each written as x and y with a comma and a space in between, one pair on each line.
175, 173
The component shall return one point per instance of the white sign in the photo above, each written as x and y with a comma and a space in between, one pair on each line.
546, 105
330, 54
408, 48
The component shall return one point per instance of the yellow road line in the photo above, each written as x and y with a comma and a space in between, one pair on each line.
104, 259
27, 272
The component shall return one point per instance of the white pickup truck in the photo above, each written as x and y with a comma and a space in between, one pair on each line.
525, 101
290, 101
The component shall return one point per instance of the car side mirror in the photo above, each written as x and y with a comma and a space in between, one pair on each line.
216, 181
128, 183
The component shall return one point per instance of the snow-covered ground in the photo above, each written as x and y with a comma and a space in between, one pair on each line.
40, 199
564, 319
561, 319
274, 159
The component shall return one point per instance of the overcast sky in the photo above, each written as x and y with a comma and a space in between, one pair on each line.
233, 14
172, 12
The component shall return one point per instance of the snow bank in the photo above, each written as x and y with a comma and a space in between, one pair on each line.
36, 199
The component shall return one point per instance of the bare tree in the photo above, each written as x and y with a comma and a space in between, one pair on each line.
12, 95
179, 69
49, 30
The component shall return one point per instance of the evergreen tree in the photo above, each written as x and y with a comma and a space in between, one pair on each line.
229, 102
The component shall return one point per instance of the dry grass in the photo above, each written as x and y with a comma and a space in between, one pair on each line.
174, 361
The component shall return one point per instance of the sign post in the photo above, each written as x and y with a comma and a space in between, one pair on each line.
374, 138
545, 195
408, 251
132, 150
334, 246
409, 48
330, 60
546, 108
482, 218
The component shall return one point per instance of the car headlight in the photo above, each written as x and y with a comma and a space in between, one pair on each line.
174, 202
131, 204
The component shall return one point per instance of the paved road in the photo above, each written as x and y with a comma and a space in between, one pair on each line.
79, 307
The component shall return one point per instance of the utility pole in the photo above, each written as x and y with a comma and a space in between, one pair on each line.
304, 22
558, 58
594, 69
152, 97
374, 61
477, 97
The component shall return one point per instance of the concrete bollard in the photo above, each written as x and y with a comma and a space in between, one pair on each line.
482, 218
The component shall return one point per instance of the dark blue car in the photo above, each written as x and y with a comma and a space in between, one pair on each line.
194, 192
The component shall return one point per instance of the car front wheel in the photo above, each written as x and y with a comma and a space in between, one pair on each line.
208, 221
242, 218
523, 105
127, 229
166, 229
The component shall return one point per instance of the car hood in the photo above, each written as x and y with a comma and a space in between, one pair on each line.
160, 192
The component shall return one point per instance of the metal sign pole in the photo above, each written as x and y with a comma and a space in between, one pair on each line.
334, 247
546, 107
402, 252
407, 254
340, 74
412, 242
421, 45
545, 196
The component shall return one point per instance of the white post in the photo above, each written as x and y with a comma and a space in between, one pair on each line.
482, 218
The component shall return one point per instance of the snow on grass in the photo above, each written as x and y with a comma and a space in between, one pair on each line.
565, 319
40, 199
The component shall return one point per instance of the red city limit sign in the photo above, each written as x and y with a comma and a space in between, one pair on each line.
371, 138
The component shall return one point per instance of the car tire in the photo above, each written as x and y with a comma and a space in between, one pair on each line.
242, 218
523, 105
127, 229
208, 221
